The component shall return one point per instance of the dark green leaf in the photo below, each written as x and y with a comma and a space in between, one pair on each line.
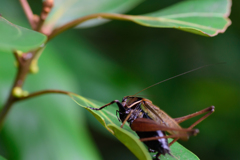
107, 117
13, 37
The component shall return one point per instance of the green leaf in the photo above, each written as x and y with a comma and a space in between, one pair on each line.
66, 11
207, 18
202, 17
13, 37
48, 127
107, 117
1, 158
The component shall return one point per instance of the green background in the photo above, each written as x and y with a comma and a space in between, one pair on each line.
120, 58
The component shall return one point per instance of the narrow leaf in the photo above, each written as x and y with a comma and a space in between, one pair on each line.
107, 117
13, 37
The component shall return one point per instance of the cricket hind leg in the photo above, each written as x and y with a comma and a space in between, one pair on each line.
208, 110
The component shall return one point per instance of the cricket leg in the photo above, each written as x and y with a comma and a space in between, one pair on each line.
148, 125
210, 110
135, 103
156, 156
125, 120
115, 101
173, 141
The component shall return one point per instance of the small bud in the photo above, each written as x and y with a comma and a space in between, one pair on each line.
25, 93
17, 92
34, 67
19, 53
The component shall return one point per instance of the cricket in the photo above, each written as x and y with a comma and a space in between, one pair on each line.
153, 125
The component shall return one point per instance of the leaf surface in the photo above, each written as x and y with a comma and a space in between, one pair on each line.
1, 158
66, 11
13, 37
202, 17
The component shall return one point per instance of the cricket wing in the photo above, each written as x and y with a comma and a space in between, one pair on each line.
161, 118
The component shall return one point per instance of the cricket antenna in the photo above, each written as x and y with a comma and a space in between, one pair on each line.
179, 75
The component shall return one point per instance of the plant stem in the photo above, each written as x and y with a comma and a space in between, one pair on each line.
28, 12
42, 93
83, 19
24, 63
47, 7
6, 109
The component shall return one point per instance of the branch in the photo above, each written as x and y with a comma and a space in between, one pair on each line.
83, 19
23, 70
39, 93
47, 7
28, 12
17, 57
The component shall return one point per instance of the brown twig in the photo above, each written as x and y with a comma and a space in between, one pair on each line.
39, 93
89, 17
23, 70
28, 12
24, 63
17, 57
47, 6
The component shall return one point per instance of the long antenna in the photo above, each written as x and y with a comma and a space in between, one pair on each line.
178, 76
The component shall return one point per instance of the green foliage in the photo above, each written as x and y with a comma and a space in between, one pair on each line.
14, 37
207, 18
52, 127
66, 11
1, 158
47, 127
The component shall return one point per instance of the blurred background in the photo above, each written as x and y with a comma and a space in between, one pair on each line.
117, 59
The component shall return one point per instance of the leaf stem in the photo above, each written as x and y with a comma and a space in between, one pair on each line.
39, 93
85, 18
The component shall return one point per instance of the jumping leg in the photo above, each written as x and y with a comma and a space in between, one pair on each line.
210, 110
184, 118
